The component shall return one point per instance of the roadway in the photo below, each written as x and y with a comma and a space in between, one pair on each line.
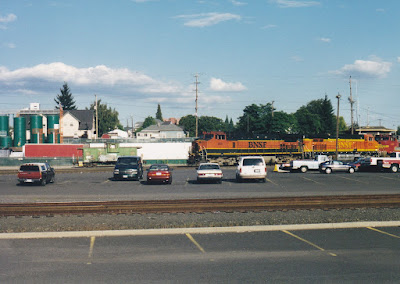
285, 255
96, 186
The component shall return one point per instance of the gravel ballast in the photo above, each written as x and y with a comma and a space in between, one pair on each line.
180, 220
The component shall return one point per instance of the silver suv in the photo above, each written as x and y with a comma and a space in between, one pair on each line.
251, 167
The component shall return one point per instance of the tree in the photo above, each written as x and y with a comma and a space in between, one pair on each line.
148, 121
317, 118
108, 118
342, 125
188, 123
159, 114
206, 124
255, 119
283, 123
210, 123
65, 99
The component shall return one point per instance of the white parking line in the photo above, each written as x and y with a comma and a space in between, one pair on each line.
313, 180
352, 179
389, 178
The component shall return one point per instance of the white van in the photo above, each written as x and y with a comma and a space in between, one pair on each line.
251, 167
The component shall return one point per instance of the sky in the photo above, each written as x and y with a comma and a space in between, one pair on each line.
136, 54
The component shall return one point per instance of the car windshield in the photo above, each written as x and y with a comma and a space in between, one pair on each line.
127, 161
30, 168
252, 162
159, 168
209, 167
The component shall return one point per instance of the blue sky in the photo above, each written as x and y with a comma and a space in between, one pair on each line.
135, 54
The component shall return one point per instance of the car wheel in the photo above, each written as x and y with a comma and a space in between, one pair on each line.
394, 168
351, 170
303, 169
328, 170
42, 182
264, 180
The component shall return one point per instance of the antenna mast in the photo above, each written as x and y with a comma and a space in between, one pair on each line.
351, 107
197, 117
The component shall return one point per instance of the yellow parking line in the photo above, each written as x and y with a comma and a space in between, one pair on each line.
352, 179
92, 239
382, 232
271, 181
308, 242
105, 181
312, 180
196, 243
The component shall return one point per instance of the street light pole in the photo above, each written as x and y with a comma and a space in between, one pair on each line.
337, 125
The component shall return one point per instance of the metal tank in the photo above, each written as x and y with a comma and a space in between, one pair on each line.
5, 142
53, 129
19, 131
36, 129
4, 125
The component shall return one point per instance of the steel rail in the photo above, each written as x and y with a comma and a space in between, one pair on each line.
202, 205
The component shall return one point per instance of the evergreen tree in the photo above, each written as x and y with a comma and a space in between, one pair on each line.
65, 99
159, 114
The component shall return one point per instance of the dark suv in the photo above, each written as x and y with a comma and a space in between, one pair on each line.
129, 168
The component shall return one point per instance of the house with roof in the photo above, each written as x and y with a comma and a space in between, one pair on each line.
78, 124
161, 130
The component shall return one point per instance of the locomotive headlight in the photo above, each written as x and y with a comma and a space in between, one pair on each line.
116, 171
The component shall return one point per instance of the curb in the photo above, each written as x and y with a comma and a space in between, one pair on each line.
203, 230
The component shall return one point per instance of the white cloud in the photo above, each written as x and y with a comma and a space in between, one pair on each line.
297, 58
374, 68
238, 3
295, 3
207, 19
93, 77
271, 26
325, 39
10, 45
398, 59
7, 19
221, 86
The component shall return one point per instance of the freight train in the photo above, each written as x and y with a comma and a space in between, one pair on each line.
216, 147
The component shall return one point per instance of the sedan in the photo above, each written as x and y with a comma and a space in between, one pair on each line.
209, 172
159, 173
337, 166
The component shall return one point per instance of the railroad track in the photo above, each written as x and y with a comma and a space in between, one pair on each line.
202, 205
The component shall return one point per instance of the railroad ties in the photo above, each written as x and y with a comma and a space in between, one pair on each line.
202, 205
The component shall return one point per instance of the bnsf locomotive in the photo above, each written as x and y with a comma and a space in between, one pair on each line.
216, 147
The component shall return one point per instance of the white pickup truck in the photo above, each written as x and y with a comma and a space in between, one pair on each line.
309, 164
392, 162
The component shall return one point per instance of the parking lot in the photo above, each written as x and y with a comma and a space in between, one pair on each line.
89, 186
362, 255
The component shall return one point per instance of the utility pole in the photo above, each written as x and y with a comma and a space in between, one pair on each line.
132, 125
97, 120
351, 107
197, 117
272, 108
337, 125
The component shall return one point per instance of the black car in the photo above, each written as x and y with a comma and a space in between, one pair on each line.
128, 168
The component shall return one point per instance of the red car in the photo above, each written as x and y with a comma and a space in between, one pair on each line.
159, 173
